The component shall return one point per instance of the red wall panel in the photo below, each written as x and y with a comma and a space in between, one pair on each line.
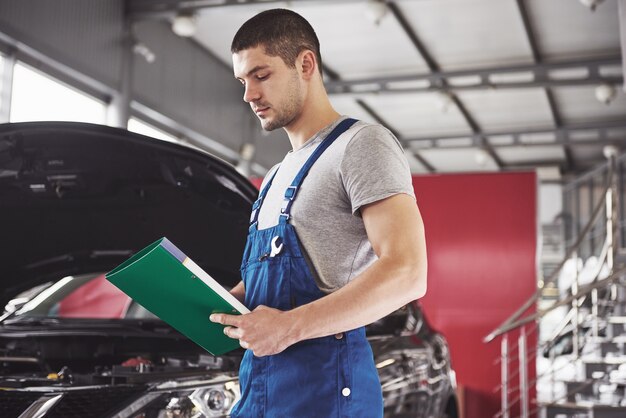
481, 234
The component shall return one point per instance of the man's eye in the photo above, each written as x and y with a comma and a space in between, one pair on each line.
262, 77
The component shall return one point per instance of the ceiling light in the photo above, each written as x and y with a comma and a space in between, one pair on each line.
480, 157
184, 24
443, 100
144, 51
376, 11
610, 151
592, 4
605, 93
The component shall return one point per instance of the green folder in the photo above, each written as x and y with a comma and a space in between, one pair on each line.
169, 284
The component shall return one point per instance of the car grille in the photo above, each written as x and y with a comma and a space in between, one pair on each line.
90, 403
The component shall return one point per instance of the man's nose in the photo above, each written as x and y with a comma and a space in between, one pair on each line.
251, 94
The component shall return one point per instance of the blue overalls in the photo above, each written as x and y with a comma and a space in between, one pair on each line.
324, 377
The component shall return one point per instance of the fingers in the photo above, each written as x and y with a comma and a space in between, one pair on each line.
225, 319
234, 333
231, 331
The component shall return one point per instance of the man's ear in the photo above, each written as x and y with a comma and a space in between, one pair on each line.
308, 63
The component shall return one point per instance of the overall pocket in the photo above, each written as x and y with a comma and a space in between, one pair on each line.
267, 283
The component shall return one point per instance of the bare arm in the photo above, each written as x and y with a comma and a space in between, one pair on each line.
394, 227
239, 291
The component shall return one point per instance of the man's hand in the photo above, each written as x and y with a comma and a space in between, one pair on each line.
265, 330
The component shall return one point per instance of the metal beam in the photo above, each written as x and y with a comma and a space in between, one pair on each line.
330, 73
159, 9
530, 34
380, 120
434, 67
558, 122
534, 48
430, 62
539, 75
333, 75
477, 131
56, 69
518, 137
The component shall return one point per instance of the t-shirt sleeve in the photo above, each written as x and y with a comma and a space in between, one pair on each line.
374, 167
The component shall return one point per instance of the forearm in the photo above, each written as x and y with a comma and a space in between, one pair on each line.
239, 292
381, 289
395, 229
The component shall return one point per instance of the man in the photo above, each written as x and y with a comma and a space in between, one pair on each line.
336, 239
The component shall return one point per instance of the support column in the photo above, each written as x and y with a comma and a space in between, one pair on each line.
523, 375
6, 88
119, 108
504, 376
610, 152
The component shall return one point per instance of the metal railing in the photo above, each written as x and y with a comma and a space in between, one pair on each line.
525, 320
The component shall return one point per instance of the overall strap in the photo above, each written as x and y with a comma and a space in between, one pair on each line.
292, 191
256, 206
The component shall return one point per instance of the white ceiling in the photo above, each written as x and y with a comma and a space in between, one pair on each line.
459, 35
462, 34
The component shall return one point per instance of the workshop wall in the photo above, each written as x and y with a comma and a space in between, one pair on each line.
481, 234
85, 35
184, 83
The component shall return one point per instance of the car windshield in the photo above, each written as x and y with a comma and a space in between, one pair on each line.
86, 296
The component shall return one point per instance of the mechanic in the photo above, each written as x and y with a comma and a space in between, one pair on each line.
336, 239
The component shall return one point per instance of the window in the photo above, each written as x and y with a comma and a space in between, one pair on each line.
38, 97
135, 125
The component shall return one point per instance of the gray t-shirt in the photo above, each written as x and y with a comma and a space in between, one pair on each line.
364, 165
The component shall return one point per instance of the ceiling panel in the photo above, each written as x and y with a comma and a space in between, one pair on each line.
578, 104
469, 33
567, 29
217, 26
459, 34
364, 50
356, 47
589, 135
529, 154
459, 159
496, 110
418, 115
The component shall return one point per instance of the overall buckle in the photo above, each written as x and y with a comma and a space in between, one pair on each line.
290, 193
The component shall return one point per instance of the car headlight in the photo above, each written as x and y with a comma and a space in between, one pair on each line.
215, 401
188, 399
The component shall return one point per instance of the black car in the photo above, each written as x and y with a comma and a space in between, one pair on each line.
78, 199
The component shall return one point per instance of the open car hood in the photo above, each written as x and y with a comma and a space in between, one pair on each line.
78, 198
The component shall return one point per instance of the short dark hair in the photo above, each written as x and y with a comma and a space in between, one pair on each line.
282, 33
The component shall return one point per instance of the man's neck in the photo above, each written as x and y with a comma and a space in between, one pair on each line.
313, 118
